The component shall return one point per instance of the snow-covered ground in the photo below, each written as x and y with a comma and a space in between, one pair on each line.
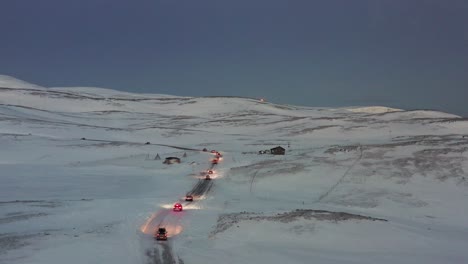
80, 184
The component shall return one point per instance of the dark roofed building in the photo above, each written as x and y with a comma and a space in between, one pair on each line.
171, 160
277, 151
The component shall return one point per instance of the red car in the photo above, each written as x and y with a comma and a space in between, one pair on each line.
215, 161
161, 234
189, 198
177, 207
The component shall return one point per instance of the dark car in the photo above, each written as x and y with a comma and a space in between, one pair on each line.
207, 177
189, 198
204, 150
161, 233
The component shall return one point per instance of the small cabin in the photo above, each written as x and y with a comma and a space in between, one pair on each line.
278, 151
171, 160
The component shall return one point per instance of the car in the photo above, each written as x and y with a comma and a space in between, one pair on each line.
210, 172
219, 154
215, 161
189, 198
147, 143
213, 151
177, 207
207, 177
161, 234
205, 150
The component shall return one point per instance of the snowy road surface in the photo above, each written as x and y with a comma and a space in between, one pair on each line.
162, 252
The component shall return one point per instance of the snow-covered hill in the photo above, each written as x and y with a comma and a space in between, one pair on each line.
11, 82
79, 182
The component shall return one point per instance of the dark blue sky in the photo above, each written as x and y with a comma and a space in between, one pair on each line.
401, 53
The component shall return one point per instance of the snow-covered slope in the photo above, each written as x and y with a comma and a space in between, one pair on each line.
374, 109
79, 182
96, 92
11, 82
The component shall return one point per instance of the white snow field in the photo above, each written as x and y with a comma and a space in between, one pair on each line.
79, 183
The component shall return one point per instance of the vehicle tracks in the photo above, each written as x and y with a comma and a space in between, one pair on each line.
333, 187
201, 188
162, 251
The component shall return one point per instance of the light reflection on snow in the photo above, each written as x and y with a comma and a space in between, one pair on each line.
173, 229
163, 218
192, 206
167, 206
148, 227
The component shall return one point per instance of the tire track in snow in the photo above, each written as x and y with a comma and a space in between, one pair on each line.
323, 196
162, 251
201, 188
252, 180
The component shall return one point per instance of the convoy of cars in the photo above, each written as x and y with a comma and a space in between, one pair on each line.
161, 233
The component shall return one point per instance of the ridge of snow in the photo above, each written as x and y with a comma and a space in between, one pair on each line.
374, 109
107, 92
12, 82
226, 103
